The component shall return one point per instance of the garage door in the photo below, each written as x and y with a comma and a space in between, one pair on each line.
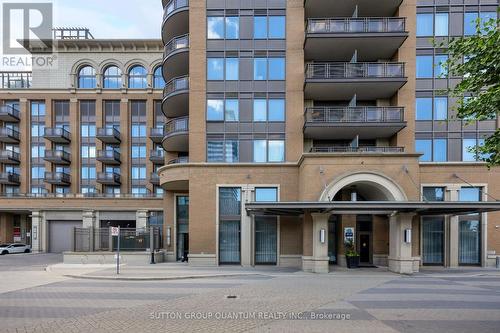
60, 233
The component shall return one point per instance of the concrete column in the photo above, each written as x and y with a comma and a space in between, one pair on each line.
318, 262
88, 218
37, 225
141, 219
246, 232
453, 195
400, 254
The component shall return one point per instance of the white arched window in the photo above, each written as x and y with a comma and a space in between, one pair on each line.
112, 78
137, 78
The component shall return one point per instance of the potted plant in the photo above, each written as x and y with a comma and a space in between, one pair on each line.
351, 256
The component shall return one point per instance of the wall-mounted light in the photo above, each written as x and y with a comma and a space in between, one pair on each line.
322, 236
169, 236
408, 236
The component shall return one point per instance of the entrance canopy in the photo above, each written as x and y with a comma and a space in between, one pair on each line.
371, 207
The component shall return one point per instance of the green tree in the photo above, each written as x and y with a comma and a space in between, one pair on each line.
477, 60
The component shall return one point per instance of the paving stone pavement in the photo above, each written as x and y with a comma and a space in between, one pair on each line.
263, 303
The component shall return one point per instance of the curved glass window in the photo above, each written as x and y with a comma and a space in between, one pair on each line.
159, 82
86, 77
138, 78
112, 78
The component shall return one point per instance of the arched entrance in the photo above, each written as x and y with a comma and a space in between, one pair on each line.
368, 231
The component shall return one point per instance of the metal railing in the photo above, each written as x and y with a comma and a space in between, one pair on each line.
154, 178
15, 80
57, 154
57, 132
9, 155
9, 132
157, 154
10, 177
131, 239
361, 70
108, 177
176, 125
173, 5
347, 149
9, 110
156, 132
176, 43
57, 177
108, 155
176, 84
80, 195
108, 132
179, 160
359, 114
356, 25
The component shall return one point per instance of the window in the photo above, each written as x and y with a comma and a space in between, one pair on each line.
229, 225
215, 69
112, 78
88, 151
38, 190
38, 151
159, 82
424, 66
276, 68
86, 77
468, 150
441, 24
439, 152
215, 110
260, 69
139, 190
440, 67
259, 110
138, 151
138, 130
37, 109
138, 78
433, 193
276, 110
88, 173
37, 172
433, 240
260, 151
425, 24
470, 194
138, 173
268, 151
424, 147
220, 27
440, 108
232, 69
423, 107
272, 27
232, 110
88, 131
223, 151
470, 21
266, 194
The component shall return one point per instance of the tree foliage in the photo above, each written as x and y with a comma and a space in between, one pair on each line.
476, 59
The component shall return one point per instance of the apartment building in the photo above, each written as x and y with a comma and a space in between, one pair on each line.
80, 144
296, 126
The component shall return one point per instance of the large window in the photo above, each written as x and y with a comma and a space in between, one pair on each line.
432, 150
223, 27
223, 151
229, 225
429, 66
428, 108
222, 110
137, 78
433, 193
86, 77
112, 78
272, 27
433, 240
138, 151
158, 81
469, 149
269, 110
222, 69
469, 244
269, 69
425, 24
470, 21
268, 151
138, 173
88, 173
441, 27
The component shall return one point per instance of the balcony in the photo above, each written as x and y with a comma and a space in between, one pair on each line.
156, 134
57, 178
111, 157
347, 149
9, 114
336, 39
179, 160
9, 157
108, 178
9, 178
345, 8
57, 135
57, 157
175, 19
109, 135
177, 135
9, 135
157, 156
371, 122
341, 81
154, 178
176, 98
176, 58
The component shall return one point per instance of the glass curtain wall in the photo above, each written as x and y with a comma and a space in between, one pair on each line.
229, 225
266, 229
469, 230
433, 240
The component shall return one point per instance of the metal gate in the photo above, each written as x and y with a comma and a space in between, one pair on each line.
60, 235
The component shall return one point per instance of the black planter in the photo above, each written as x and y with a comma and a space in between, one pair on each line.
352, 261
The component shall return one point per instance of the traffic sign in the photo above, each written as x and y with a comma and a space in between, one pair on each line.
115, 231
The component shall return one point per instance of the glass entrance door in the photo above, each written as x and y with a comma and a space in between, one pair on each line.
433, 240
266, 238
333, 223
229, 242
182, 212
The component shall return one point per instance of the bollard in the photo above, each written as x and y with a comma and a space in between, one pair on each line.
498, 262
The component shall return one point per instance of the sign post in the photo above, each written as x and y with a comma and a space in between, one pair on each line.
115, 231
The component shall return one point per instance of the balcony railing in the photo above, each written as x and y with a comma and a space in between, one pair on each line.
9, 113
176, 84
154, 178
9, 134
347, 149
177, 125
179, 160
9, 156
108, 156
156, 134
173, 5
108, 134
157, 156
57, 156
15, 80
356, 25
176, 43
108, 178
9, 178
363, 70
361, 114
57, 134
57, 178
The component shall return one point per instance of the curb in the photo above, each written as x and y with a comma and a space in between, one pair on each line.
166, 278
